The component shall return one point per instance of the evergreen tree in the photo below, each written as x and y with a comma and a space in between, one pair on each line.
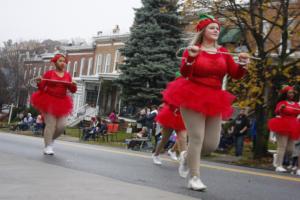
150, 52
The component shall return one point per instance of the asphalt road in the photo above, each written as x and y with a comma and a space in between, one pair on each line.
81, 171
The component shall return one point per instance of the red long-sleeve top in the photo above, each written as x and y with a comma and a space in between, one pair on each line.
292, 109
210, 69
55, 88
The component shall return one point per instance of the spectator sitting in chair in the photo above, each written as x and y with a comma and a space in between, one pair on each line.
134, 143
26, 123
39, 121
39, 124
113, 117
142, 133
101, 127
89, 130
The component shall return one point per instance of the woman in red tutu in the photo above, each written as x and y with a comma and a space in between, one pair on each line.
199, 94
285, 125
52, 100
169, 118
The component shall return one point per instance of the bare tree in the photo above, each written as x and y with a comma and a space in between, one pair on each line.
12, 62
4, 98
12, 57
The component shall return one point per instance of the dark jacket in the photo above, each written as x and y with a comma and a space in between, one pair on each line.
239, 123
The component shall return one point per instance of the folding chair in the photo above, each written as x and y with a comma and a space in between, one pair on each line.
110, 127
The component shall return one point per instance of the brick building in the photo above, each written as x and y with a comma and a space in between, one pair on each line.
94, 68
107, 59
80, 65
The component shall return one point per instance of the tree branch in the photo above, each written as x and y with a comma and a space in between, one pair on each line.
292, 63
273, 24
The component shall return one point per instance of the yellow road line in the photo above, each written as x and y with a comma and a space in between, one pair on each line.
241, 171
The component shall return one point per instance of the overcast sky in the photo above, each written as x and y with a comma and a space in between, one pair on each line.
63, 19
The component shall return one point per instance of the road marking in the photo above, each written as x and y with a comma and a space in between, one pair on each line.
241, 171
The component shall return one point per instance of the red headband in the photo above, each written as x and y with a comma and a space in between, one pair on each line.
57, 56
286, 89
203, 23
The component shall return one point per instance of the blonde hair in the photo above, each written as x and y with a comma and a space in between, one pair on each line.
198, 38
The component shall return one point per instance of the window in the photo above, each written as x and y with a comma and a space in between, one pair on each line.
99, 62
292, 24
34, 71
82, 62
68, 66
103, 64
75, 69
27, 55
25, 74
44, 69
266, 27
90, 67
107, 63
116, 62
91, 96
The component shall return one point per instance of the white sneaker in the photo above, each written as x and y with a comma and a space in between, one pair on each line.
48, 150
294, 168
298, 172
52, 144
289, 167
172, 154
156, 160
274, 160
280, 169
194, 183
183, 169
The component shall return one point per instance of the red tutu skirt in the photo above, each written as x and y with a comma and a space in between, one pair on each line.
288, 126
170, 118
57, 106
200, 98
